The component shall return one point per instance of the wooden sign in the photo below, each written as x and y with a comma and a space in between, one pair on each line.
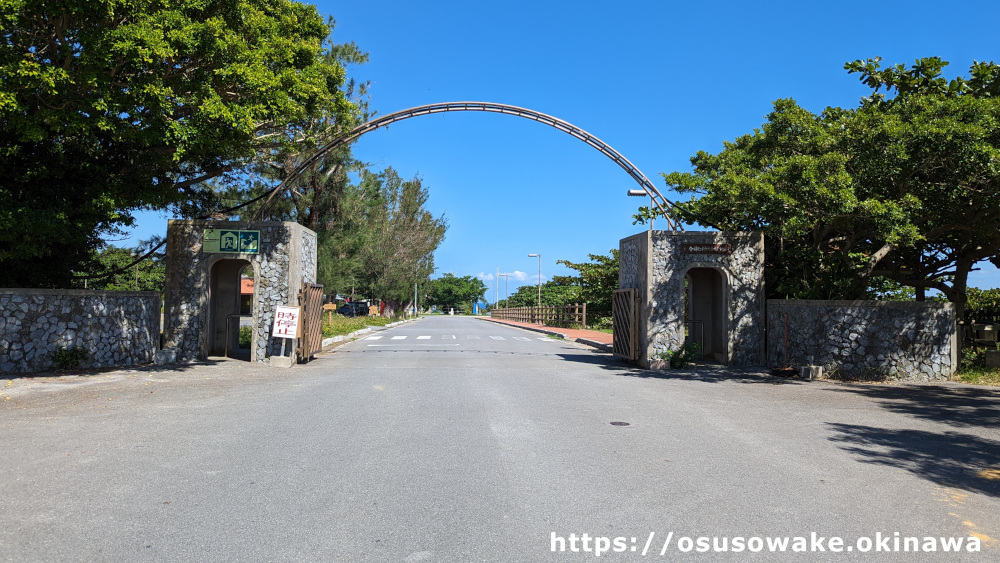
706, 249
286, 322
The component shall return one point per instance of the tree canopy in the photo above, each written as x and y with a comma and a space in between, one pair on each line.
899, 190
110, 106
450, 291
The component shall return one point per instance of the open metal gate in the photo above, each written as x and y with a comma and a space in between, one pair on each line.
311, 339
624, 310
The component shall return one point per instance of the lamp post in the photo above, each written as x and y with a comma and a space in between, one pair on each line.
506, 289
539, 255
640, 193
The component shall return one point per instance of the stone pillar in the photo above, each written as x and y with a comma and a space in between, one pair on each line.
725, 291
285, 258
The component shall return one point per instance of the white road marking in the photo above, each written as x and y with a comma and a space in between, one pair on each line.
423, 338
472, 337
522, 338
498, 338
403, 337
449, 337
374, 337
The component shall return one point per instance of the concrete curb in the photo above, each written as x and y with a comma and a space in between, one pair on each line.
586, 341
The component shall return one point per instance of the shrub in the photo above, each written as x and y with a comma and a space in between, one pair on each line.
246, 336
69, 358
682, 358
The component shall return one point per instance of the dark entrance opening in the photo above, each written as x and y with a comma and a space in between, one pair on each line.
227, 300
706, 312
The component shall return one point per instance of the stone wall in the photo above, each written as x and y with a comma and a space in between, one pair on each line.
286, 259
865, 339
115, 328
657, 262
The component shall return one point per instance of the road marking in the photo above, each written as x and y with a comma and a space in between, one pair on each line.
472, 337
449, 337
546, 339
423, 338
403, 337
498, 338
522, 338
374, 337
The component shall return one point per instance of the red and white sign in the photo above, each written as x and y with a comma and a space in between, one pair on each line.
286, 322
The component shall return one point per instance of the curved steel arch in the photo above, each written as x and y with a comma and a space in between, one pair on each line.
656, 197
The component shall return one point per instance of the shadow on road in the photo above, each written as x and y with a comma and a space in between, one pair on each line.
950, 459
965, 407
705, 373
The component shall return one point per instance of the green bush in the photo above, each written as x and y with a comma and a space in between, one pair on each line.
246, 335
682, 358
69, 358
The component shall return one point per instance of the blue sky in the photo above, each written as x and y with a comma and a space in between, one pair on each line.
656, 80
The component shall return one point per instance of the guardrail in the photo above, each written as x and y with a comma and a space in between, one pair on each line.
548, 316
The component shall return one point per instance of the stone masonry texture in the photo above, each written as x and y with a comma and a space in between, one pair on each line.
865, 339
115, 328
286, 260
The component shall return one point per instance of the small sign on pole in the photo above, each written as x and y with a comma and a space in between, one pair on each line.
286, 322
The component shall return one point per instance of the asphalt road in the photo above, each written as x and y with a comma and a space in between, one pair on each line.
454, 439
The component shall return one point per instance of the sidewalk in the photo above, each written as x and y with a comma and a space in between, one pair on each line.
597, 339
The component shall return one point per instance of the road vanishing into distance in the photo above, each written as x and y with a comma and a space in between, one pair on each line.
457, 439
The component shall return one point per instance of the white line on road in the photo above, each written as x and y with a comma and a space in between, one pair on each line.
449, 337
522, 338
374, 337
423, 338
403, 337
498, 338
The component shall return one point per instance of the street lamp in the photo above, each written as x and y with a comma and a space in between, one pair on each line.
539, 255
506, 289
640, 193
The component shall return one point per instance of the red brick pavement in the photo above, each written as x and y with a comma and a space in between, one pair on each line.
590, 337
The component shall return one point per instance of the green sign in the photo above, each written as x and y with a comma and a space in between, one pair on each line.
231, 241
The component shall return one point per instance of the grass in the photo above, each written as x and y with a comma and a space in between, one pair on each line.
346, 325
979, 376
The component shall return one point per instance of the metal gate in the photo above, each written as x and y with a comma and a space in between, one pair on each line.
624, 310
311, 301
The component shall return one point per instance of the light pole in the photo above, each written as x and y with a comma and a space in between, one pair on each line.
539, 255
640, 193
506, 289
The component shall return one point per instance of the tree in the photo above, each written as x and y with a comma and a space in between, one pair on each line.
450, 291
111, 106
901, 190
400, 238
555, 293
147, 275
597, 279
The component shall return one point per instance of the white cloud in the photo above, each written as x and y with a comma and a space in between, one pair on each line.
485, 277
518, 275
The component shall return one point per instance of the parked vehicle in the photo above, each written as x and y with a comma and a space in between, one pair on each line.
356, 309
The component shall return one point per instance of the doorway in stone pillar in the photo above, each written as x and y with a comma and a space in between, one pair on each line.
225, 305
706, 318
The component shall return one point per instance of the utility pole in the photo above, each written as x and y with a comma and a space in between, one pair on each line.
539, 255
415, 299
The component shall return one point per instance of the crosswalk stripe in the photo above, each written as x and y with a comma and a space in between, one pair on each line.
423, 338
498, 338
522, 338
399, 337
472, 337
546, 340
374, 337
449, 337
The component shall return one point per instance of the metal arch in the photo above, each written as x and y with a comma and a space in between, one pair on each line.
656, 197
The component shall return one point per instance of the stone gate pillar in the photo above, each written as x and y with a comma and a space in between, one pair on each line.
714, 280
202, 260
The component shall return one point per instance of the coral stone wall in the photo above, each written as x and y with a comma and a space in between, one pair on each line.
115, 328
656, 263
286, 260
865, 339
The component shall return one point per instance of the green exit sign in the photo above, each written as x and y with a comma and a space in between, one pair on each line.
232, 241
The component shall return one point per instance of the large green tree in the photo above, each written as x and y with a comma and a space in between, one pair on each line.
110, 106
400, 237
899, 190
450, 291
